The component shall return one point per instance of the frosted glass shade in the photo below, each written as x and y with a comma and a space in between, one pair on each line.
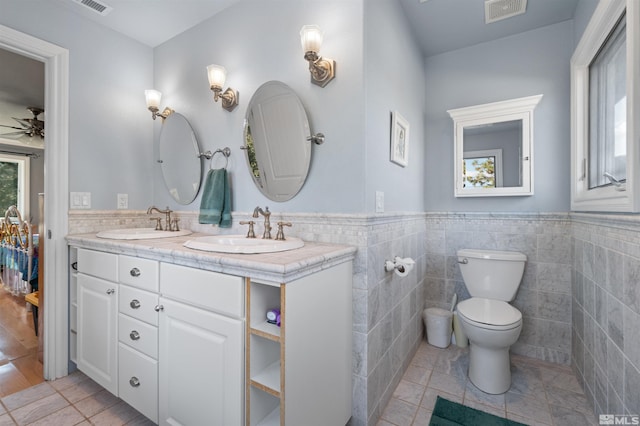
153, 98
217, 75
311, 38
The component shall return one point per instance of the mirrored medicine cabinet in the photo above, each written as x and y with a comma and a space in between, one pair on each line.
493, 148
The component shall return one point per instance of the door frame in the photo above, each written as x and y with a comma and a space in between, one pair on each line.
56, 200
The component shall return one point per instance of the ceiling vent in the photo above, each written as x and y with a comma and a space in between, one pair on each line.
496, 10
97, 6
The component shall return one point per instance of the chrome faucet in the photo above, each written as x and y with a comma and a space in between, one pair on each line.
267, 224
167, 212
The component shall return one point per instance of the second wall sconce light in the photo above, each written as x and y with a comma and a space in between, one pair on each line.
322, 69
217, 75
153, 104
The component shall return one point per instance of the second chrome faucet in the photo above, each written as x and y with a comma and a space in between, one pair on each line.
267, 225
267, 220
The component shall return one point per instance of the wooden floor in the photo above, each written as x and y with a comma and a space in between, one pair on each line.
19, 365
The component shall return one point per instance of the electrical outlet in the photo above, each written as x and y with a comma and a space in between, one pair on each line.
379, 202
123, 201
80, 200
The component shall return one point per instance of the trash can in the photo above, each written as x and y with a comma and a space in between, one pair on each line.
438, 323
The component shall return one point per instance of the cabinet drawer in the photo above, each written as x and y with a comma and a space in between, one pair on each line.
138, 335
98, 264
138, 381
141, 273
139, 304
209, 290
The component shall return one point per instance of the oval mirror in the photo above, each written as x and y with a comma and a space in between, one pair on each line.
276, 138
179, 159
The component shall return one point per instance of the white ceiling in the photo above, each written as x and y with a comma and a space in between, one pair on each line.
438, 25
151, 22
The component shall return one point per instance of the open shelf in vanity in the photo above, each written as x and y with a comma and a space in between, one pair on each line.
265, 355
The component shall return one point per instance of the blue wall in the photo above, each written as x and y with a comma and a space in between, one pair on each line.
109, 126
531, 63
394, 81
258, 43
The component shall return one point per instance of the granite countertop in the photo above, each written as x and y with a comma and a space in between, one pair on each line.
279, 267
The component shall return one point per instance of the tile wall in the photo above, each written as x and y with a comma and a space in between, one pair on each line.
606, 310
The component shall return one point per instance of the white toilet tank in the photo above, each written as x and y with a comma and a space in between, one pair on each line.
492, 274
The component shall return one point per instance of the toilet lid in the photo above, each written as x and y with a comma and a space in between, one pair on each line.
489, 311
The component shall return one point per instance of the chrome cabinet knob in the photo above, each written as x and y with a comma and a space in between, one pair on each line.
135, 304
159, 308
135, 272
134, 335
111, 291
134, 381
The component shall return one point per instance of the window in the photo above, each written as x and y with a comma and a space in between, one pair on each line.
483, 169
14, 183
608, 111
605, 104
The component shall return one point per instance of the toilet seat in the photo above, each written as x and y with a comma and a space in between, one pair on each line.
489, 313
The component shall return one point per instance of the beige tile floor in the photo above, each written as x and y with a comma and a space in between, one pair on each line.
71, 400
542, 393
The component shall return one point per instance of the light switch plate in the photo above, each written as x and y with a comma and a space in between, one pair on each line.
123, 201
80, 200
379, 202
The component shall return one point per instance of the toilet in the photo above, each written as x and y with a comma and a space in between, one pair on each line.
489, 321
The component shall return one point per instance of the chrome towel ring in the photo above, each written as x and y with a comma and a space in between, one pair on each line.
226, 151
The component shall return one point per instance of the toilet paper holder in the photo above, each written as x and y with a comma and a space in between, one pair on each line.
399, 265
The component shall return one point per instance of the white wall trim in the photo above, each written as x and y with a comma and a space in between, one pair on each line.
56, 186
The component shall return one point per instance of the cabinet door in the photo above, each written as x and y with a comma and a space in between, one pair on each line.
97, 331
201, 367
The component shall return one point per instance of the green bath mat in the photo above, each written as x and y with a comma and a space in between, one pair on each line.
447, 413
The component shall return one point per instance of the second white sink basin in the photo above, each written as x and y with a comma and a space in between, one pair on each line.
242, 244
139, 234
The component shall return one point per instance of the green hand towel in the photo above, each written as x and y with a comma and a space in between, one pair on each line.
215, 206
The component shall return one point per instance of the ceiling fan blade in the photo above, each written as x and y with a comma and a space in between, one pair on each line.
11, 127
23, 121
13, 135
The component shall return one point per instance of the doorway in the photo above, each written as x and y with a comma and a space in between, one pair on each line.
54, 304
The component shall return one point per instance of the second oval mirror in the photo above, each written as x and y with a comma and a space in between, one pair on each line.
276, 141
181, 166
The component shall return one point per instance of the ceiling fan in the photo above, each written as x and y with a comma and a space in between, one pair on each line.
30, 126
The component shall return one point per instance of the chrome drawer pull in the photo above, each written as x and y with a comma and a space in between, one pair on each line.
159, 308
135, 304
111, 291
134, 335
135, 272
134, 382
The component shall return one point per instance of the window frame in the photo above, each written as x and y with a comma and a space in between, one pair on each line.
24, 188
605, 198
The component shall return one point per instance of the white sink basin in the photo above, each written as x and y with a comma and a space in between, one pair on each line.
140, 234
242, 244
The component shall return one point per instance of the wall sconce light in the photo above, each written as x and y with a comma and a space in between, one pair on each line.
153, 104
322, 69
217, 75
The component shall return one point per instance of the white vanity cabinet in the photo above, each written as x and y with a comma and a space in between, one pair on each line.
188, 346
97, 317
201, 347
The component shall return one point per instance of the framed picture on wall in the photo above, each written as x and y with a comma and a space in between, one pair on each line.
399, 139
